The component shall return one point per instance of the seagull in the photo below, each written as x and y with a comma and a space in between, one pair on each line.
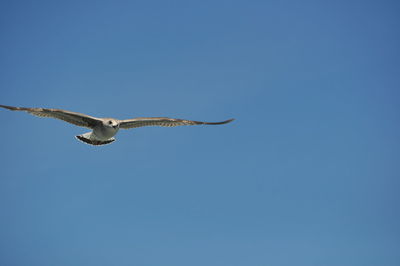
104, 129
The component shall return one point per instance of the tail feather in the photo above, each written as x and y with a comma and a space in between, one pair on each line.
88, 140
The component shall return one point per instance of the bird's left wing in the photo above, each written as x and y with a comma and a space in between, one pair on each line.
77, 119
163, 122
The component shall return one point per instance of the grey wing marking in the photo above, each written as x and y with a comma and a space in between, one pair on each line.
77, 119
163, 122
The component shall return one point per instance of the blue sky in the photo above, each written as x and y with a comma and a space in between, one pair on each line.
308, 174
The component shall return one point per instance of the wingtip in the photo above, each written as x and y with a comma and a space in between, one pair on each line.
220, 123
13, 108
227, 121
7, 107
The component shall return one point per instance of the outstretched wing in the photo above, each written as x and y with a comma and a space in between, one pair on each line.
77, 119
163, 122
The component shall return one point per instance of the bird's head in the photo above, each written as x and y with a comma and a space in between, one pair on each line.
110, 122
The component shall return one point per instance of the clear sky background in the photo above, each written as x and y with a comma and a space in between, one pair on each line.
307, 174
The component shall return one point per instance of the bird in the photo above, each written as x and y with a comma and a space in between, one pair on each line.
103, 130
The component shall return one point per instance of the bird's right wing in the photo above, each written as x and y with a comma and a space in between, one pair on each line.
77, 119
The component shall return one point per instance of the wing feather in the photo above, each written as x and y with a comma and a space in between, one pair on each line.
77, 119
163, 122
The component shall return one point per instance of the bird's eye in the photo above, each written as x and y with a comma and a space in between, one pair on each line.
110, 122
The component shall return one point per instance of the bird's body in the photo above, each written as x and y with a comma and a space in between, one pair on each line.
107, 130
102, 133
104, 129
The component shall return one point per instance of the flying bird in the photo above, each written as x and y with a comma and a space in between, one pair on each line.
104, 129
